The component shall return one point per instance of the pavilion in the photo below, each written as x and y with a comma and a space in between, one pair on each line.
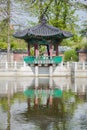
42, 34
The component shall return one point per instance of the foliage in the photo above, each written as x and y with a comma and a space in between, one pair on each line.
76, 42
15, 43
70, 55
42, 50
59, 13
63, 15
4, 103
84, 30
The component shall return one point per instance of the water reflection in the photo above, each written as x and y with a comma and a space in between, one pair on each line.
43, 104
42, 97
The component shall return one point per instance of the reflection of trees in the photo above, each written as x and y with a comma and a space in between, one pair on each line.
71, 101
6, 102
45, 115
55, 109
9, 107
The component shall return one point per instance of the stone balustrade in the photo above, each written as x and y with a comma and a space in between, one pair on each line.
76, 69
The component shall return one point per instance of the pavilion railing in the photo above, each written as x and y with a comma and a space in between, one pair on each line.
43, 60
11, 66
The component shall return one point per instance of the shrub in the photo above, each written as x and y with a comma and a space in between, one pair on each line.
70, 55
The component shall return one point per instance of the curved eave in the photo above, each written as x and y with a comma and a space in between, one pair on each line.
67, 34
82, 51
56, 36
21, 34
42, 31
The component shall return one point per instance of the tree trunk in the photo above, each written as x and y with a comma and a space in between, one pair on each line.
8, 31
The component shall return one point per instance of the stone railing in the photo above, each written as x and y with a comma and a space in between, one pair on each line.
11, 65
67, 65
75, 69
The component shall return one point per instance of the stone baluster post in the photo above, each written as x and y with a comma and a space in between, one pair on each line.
68, 65
83, 66
75, 66
6, 65
15, 65
24, 65
36, 70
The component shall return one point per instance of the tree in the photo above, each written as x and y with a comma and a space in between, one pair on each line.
8, 29
84, 30
70, 55
5, 17
59, 13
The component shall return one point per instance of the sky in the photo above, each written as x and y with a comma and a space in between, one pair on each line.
82, 14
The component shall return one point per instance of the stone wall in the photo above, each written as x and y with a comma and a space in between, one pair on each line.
19, 56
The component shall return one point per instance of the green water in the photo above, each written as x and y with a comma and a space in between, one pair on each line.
43, 104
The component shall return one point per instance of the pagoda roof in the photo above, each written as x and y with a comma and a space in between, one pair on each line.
42, 30
83, 50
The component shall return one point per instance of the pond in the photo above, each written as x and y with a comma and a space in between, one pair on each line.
43, 103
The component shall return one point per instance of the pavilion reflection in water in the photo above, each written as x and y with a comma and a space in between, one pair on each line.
42, 97
50, 102
44, 102
19, 85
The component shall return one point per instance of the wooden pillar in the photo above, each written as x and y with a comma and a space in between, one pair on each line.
51, 50
48, 50
57, 50
36, 52
28, 49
